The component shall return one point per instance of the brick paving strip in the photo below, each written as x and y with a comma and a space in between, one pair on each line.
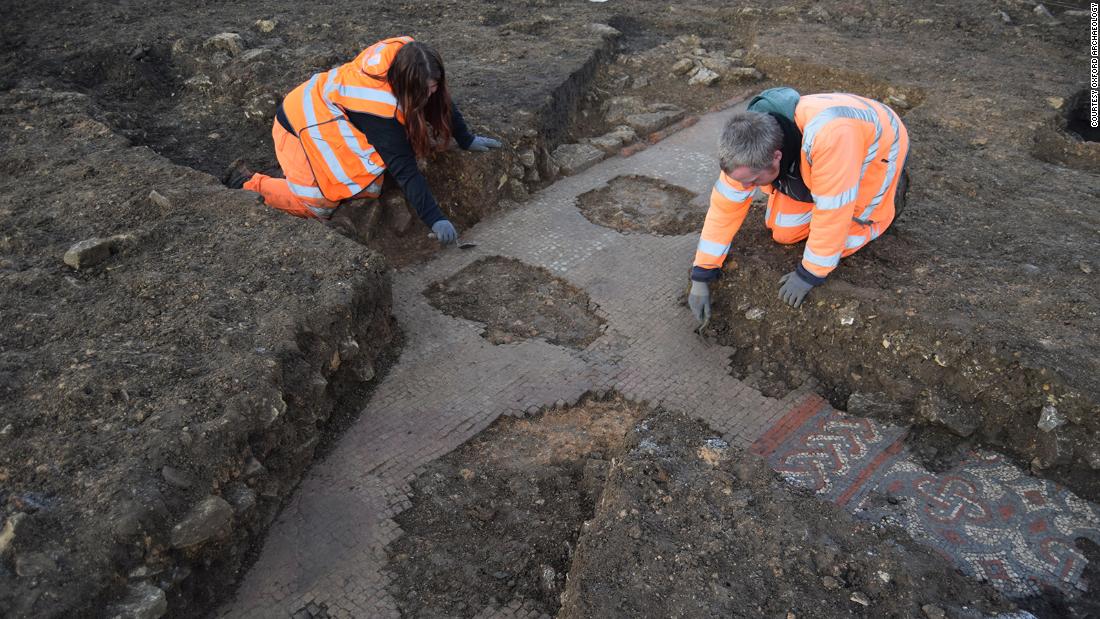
326, 552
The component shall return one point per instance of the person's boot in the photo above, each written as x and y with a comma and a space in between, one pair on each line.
900, 194
341, 222
237, 174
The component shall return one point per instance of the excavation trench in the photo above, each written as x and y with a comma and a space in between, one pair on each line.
215, 350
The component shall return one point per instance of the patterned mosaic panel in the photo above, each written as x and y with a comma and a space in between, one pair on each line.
993, 520
990, 518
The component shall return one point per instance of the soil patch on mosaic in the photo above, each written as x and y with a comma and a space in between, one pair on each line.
641, 204
517, 302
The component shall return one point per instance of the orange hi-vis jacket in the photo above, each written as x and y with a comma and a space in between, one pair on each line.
342, 159
852, 153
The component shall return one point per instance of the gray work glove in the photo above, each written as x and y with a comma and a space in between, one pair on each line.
794, 289
482, 144
699, 301
445, 231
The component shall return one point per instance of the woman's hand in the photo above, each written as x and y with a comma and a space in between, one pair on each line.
445, 232
482, 144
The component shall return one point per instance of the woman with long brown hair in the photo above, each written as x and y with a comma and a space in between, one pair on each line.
338, 132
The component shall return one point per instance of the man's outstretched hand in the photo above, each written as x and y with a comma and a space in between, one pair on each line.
699, 301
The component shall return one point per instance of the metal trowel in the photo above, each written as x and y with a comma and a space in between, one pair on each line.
459, 244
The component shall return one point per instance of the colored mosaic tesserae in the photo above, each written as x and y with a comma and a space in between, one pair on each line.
991, 518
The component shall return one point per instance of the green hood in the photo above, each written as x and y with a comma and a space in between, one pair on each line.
781, 101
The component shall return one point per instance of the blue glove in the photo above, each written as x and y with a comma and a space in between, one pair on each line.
794, 289
482, 144
445, 231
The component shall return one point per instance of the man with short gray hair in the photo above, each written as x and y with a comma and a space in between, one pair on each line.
833, 168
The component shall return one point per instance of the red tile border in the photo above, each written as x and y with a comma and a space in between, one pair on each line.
766, 444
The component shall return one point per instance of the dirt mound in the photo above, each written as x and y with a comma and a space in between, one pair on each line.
497, 520
713, 532
641, 204
517, 301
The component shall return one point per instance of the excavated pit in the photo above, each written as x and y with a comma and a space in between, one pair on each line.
1069, 138
641, 204
517, 302
1080, 118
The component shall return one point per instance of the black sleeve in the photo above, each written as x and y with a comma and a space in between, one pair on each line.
459, 129
387, 136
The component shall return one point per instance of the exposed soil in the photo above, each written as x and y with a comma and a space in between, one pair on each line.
200, 362
603, 510
641, 204
517, 301
498, 519
768, 376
